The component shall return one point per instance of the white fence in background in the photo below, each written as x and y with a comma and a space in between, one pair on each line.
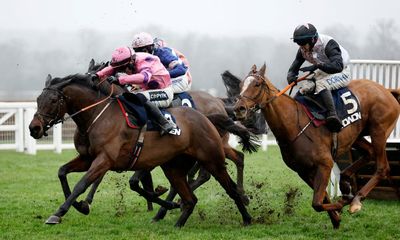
16, 116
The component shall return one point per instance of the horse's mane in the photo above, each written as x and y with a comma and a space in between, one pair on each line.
84, 80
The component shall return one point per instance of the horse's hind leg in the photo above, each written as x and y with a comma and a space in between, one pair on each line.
221, 175
238, 159
378, 141
148, 195
345, 176
177, 178
203, 177
144, 176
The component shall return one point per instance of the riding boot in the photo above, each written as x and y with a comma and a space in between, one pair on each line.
156, 115
332, 120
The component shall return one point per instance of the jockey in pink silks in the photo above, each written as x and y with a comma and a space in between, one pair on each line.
146, 70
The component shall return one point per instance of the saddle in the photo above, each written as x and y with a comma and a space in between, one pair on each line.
136, 115
346, 103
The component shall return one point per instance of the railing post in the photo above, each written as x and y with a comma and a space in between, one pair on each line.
264, 143
19, 132
30, 142
57, 138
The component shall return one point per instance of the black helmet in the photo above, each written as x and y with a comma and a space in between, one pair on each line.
305, 33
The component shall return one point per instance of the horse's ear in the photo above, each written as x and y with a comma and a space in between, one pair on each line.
91, 65
48, 80
253, 69
262, 70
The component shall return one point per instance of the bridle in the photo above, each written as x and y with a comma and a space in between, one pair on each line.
263, 90
59, 117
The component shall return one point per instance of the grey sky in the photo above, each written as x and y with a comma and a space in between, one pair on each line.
212, 17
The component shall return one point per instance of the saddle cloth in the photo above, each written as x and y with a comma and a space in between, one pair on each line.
347, 107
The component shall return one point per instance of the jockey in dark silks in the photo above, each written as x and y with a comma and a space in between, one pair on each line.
329, 62
174, 61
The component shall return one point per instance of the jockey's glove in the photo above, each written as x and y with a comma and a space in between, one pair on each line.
291, 79
311, 68
112, 79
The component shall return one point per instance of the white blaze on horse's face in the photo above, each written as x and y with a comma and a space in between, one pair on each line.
247, 83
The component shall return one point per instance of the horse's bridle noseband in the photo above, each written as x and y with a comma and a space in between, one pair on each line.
58, 117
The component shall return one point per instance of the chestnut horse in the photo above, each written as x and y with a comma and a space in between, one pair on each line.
309, 153
104, 142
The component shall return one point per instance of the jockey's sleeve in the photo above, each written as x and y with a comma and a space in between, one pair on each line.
335, 64
178, 70
139, 78
105, 72
294, 68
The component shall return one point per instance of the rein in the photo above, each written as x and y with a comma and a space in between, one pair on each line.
258, 106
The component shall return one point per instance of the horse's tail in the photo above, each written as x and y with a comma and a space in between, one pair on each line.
224, 124
396, 94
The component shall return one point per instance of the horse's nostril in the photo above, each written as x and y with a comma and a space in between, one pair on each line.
242, 109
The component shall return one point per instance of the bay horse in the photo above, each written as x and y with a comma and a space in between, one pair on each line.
309, 153
104, 142
206, 104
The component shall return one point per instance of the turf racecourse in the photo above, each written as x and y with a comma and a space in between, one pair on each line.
280, 205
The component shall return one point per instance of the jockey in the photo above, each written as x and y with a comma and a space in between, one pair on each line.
329, 62
174, 61
147, 71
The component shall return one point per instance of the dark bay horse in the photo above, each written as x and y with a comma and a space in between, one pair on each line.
104, 142
309, 154
206, 104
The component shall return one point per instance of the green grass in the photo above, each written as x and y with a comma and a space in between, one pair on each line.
30, 192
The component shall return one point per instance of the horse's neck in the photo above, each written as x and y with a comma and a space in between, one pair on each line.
282, 116
79, 98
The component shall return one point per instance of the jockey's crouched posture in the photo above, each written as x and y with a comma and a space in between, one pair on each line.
174, 61
329, 63
147, 71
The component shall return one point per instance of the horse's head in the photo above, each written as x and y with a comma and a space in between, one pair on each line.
52, 104
254, 90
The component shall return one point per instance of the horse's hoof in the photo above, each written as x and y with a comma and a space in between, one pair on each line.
245, 200
83, 207
355, 206
53, 220
247, 223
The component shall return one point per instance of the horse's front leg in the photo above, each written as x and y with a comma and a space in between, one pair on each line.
96, 171
78, 164
320, 182
238, 159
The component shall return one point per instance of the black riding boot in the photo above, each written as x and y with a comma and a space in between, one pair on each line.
332, 120
156, 116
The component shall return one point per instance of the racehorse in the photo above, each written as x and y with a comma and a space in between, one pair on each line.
206, 104
104, 142
309, 153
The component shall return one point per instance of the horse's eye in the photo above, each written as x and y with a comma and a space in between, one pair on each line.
54, 100
258, 84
